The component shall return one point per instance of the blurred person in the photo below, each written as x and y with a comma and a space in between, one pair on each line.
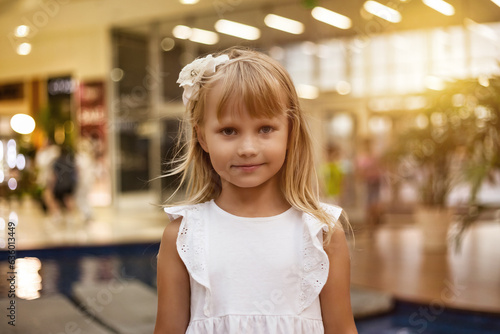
370, 171
59, 194
44, 158
85, 163
332, 173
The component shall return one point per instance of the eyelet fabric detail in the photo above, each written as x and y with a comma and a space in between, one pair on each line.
192, 244
315, 260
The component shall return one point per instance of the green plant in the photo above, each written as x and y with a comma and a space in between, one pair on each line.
454, 140
483, 150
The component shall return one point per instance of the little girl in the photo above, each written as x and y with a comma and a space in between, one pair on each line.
251, 249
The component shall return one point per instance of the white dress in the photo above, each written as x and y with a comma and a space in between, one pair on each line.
253, 275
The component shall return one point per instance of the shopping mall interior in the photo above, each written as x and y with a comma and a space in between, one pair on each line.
403, 99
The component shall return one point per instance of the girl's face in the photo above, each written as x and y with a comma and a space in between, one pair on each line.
246, 152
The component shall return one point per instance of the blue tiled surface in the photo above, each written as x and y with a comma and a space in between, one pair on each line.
410, 318
61, 267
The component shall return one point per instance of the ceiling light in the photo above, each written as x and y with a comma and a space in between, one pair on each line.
441, 6
22, 123
331, 18
182, 32
307, 92
384, 12
284, 24
195, 35
496, 2
237, 29
188, 2
204, 36
22, 31
24, 49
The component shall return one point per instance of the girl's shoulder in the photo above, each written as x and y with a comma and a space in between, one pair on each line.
188, 210
315, 225
333, 210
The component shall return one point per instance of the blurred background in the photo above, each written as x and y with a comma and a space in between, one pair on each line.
403, 99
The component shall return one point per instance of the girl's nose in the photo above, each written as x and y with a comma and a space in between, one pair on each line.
248, 146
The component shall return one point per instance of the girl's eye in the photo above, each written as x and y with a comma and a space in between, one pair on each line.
266, 129
228, 131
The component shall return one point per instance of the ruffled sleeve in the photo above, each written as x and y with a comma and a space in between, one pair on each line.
315, 260
192, 244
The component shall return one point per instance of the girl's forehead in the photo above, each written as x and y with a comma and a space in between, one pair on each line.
226, 103
236, 109
243, 118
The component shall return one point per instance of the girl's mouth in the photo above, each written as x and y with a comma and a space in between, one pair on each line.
248, 167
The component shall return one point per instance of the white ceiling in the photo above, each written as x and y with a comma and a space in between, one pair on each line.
51, 16
77, 14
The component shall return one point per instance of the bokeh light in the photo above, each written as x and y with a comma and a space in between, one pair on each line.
29, 281
22, 123
24, 49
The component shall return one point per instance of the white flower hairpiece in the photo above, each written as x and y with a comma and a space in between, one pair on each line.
191, 75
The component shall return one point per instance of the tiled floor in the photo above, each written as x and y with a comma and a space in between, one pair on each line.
109, 271
392, 261
136, 218
413, 318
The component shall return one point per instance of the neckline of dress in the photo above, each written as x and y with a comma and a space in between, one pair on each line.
250, 219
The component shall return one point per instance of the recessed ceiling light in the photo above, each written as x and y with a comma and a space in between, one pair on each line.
24, 49
384, 12
284, 24
441, 6
22, 31
182, 32
329, 17
237, 29
204, 36
195, 35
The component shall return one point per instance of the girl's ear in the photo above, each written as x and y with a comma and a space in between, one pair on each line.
200, 135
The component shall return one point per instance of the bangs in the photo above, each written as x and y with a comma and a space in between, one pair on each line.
250, 84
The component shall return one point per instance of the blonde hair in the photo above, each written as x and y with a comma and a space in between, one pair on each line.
259, 83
